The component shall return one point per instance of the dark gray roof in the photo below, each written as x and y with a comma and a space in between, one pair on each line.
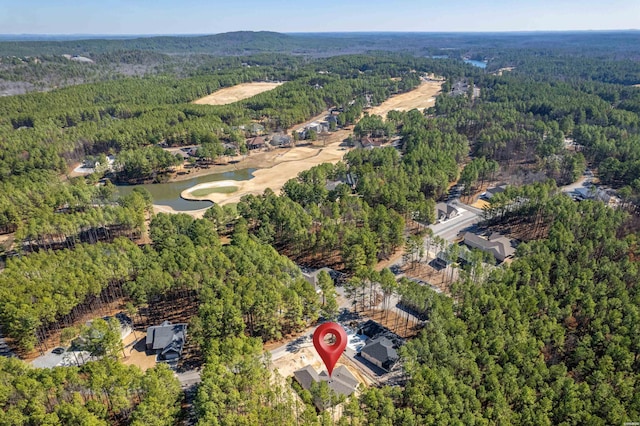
496, 190
280, 138
445, 209
372, 329
380, 349
162, 336
306, 376
257, 141
341, 380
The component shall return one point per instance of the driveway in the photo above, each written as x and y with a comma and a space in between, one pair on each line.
584, 182
189, 378
450, 229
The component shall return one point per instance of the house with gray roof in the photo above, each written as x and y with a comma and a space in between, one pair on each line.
255, 129
281, 140
446, 211
341, 382
380, 352
491, 192
166, 340
306, 376
498, 245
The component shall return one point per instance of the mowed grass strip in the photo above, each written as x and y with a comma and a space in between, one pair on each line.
203, 192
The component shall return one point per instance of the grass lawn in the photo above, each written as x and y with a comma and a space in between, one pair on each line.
219, 190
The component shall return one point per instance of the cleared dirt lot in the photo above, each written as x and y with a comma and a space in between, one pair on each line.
134, 350
424, 96
229, 95
291, 362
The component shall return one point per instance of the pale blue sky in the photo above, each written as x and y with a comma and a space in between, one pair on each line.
215, 16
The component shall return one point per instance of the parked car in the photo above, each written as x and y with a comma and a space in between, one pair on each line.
58, 351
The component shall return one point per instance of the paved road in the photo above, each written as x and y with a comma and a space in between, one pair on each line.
189, 378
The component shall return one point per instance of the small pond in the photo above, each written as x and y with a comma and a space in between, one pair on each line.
168, 194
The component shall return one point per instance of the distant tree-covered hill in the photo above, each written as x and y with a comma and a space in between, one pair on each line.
249, 42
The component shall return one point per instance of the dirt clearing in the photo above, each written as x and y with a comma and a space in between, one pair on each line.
307, 355
424, 96
135, 351
229, 95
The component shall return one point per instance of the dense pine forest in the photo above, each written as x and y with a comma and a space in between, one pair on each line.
549, 338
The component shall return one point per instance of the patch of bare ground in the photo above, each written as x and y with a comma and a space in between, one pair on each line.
229, 95
307, 355
405, 326
503, 70
135, 351
424, 96
524, 228
272, 344
385, 263
425, 272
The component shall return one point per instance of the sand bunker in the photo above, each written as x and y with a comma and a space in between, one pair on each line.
229, 95
203, 191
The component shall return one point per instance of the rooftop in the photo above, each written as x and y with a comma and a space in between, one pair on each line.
381, 349
498, 245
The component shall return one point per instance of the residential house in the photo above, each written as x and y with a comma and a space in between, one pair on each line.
255, 129
491, 192
372, 329
369, 143
498, 245
324, 126
280, 140
256, 143
342, 381
318, 127
315, 126
166, 340
592, 193
380, 352
312, 276
446, 211
230, 147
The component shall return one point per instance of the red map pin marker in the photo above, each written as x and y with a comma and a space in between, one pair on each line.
330, 353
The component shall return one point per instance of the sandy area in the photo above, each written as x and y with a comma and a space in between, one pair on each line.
480, 204
505, 69
134, 351
198, 214
424, 96
291, 362
229, 95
